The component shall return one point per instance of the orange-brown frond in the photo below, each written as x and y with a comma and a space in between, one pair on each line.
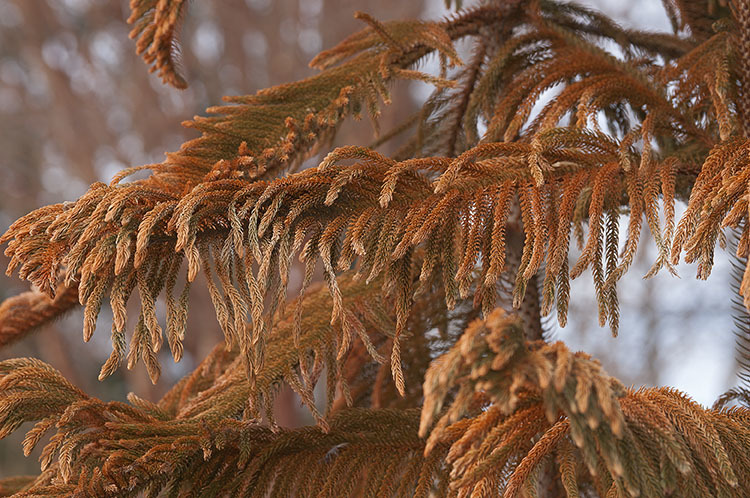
518, 409
155, 25
26, 312
718, 199
105, 448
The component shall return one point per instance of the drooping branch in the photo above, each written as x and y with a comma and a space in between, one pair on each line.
27, 312
155, 25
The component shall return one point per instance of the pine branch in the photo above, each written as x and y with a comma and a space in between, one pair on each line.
155, 24
379, 211
717, 201
104, 238
131, 451
22, 314
697, 17
114, 449
736, 394
516, 404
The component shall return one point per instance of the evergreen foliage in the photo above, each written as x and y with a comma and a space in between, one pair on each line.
439, 263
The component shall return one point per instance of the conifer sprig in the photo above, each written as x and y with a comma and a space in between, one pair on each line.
155, 24
519, 405
28, 311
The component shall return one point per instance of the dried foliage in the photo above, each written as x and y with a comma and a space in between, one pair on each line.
116, 449
473, 213
27, 312
155, 24
194, 432
520, 406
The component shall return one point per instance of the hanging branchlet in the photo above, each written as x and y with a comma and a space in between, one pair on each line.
379, 210
420, 199
719, 200
197, 420
155, 24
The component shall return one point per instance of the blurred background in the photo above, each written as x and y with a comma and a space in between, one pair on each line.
77, 105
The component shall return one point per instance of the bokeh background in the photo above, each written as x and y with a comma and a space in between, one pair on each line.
77, 105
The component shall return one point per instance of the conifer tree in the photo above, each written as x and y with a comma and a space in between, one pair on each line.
438, 262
